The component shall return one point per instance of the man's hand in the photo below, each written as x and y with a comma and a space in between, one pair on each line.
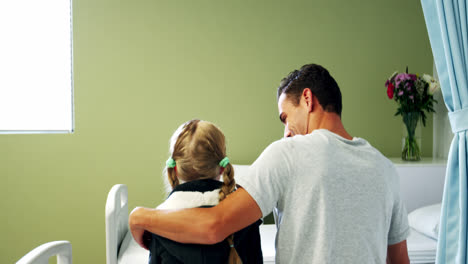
141, 236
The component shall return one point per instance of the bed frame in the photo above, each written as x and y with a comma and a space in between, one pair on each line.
116, 221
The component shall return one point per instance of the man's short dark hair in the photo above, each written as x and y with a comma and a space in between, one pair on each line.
319, 81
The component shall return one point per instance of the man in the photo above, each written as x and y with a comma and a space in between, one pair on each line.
336, 197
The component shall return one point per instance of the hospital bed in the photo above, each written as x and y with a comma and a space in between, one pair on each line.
421, 190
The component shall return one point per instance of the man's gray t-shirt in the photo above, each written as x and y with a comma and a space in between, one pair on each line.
337, 200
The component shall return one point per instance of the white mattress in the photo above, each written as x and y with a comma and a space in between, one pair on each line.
267, 238
421, 249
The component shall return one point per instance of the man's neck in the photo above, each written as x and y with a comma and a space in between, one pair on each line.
329, 121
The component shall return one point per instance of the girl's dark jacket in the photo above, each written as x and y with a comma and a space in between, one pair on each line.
203, 193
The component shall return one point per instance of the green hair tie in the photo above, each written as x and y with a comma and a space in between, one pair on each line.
224, 162
170, 163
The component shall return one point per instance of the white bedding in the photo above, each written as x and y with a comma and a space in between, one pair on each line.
421, 249
130, 252
426, 220
267, 238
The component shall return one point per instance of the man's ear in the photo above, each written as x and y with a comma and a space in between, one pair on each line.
308, 98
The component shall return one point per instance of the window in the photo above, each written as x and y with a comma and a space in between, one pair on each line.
36, 72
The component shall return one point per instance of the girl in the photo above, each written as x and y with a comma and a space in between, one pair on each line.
198, 159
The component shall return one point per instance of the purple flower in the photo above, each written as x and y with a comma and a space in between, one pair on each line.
403, 76
412, 77
400, 93
398, 79
411, 97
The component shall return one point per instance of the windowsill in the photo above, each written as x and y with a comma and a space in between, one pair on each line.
425, 161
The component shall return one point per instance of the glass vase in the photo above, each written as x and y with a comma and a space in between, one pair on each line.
412, 137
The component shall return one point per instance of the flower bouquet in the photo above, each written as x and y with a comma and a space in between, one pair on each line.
414, 95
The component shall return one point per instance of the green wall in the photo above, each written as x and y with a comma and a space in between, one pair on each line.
143, 67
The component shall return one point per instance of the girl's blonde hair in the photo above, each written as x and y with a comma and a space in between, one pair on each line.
197, 148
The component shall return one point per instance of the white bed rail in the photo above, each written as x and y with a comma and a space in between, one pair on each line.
116, 221
41, 254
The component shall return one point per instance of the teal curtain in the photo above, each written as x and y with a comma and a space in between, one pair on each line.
446, 22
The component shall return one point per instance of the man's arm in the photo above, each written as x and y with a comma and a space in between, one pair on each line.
398, 253
197, 225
